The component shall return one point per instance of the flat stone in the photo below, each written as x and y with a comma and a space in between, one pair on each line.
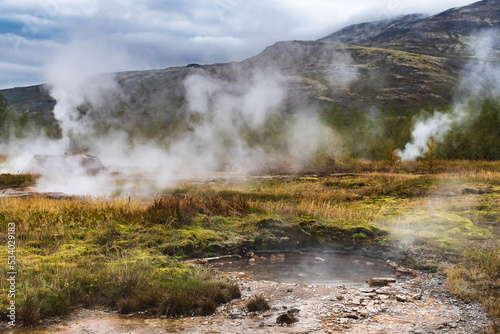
234, 316
380, 281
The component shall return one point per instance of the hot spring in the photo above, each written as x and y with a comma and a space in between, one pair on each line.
312, 268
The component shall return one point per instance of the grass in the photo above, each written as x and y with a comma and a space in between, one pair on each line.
17, 180
478, 278
122, 253
257, 304
78, 253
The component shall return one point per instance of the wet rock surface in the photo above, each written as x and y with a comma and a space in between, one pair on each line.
31, 192
418, 305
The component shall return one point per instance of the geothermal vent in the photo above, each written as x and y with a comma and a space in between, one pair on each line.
79, 164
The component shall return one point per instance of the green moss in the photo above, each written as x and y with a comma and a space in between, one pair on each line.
341, 231
76, 250
443, 223
441, 231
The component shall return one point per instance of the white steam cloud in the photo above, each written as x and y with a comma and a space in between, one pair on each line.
227, 114
436, 127
479, 79
78, 73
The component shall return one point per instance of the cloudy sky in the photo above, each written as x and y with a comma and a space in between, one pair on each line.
117, 35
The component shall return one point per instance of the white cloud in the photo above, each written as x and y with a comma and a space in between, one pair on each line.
167, 33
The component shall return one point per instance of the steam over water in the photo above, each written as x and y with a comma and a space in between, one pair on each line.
324, 269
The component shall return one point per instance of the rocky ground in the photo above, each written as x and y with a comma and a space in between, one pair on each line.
417, 305
30, 192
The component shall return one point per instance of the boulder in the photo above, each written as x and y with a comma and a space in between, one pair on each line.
51, 164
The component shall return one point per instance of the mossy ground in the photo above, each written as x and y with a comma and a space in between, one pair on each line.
122, 253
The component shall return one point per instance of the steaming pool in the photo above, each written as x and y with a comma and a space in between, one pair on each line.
325, 269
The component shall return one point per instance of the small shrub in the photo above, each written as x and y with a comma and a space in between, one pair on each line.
258, 304
391, 156
429, 157
29, 313
234, 291
359, 236
178, 303
128, 305
208, 307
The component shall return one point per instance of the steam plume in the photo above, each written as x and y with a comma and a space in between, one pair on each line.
480, 78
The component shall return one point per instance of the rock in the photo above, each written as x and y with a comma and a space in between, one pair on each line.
355, 301
234, 316
370, 295
404, 272
286, 318
63, 164
27, 193
401, 298
472, 191
352, 316
380, 281
267, 314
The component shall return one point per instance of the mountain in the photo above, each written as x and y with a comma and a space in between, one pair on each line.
407, 62
446, 34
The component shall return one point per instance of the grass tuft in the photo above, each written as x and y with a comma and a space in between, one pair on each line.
257, 304
478, 279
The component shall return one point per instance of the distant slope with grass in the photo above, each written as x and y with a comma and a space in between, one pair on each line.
403, 63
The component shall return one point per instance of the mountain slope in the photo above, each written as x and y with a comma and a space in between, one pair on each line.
448, 33
404, 63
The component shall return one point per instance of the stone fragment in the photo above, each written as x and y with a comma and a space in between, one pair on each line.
417, 296
401, 298
352, 316
234, 316
287, 318
380, 281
